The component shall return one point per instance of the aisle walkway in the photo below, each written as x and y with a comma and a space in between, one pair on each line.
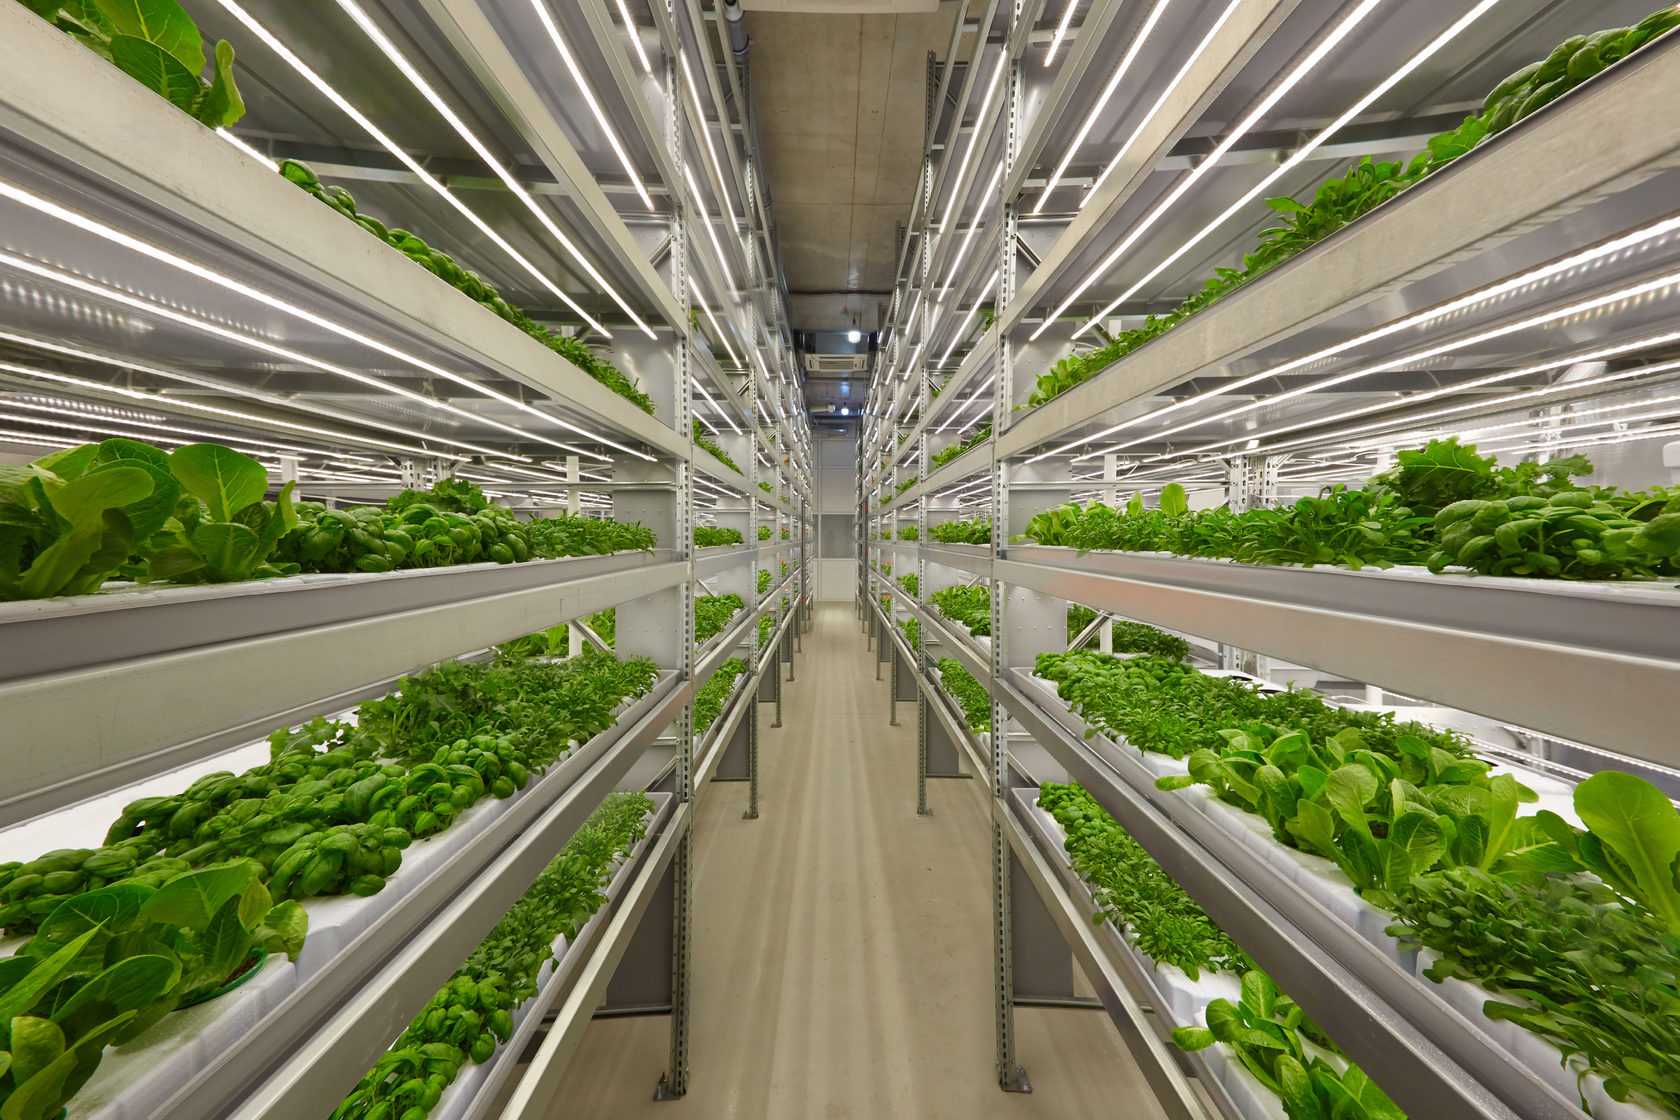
842, 945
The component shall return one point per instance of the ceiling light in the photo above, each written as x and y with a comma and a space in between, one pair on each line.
635, 33
589, 99
1183, 187
844, 411
164, 256
1061, 31
1114, 79
854, 336
1299, 156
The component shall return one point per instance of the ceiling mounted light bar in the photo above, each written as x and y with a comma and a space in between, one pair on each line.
541, 8
711, 234
634, 31
706, 134
204, 326
973, 142
1583, 307
968, 237
1562, 266
1255, 115
514, 185
211, 410
1114, 81
962, 327
1299, 156
1061, 31
267, 299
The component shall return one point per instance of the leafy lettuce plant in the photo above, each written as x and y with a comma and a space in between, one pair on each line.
222, 529
156, 43
70, 519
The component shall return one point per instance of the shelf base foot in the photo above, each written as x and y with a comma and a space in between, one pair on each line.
665, 1091
1016, 1082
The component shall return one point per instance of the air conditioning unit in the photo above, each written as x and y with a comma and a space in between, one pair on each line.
837, 363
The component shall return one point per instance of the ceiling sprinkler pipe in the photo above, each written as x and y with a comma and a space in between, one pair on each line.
738, 41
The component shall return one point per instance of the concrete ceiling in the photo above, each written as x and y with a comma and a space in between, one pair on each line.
839, 100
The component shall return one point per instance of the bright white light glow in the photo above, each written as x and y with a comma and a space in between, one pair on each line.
267, 299
190, 404
962, 327
1061, 31
1114, 81
565, 53
844, 411
715, 408
389, 145
635, 33
968, 237
57, 418
1404, 360
854, 336
1451, 307
973, 143
723, 335
706, 221
974, 396
247, 149
706, 134
1188, 183
1299, 156
266, 347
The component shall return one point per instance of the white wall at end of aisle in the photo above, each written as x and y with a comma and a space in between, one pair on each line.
837, 480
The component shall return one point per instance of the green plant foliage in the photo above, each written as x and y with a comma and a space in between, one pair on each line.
976, 530
566, 535
470, 283
961, 686
969, 606
708, 702
712, 536
1369, 183
707, 443
471, 1016
911, 584
905, 533
156, 43
1132, 892
1443, 505
712, 613
1130, 637
912, 632
956, 450
764, 578
766, 487
764, 532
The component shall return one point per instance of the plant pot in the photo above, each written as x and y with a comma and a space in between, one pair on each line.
256, 960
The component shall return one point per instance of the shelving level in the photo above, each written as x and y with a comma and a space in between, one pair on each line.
583, 186
1092, 269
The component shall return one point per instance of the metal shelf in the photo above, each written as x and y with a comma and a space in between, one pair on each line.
1527, 651
132, 683
1428, 1057
315, 1046
93, 146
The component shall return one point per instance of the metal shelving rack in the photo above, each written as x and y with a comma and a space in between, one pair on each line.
1050, 205
146, 253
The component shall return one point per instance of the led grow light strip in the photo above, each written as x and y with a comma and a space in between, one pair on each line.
112, 425
968, 237
210, 328
974, 142
1541, 319
199, 406
247, 149
1061, 31
1448, 390
723, 336
514, 185
1114, 81
268, 299
635, 34
962, 408
706, 221
1488, 294
572, 68
1188, 183
962, 327
706, 134
408, 161
1300, 155
1588, 441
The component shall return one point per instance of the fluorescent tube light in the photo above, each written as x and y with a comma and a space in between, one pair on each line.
1267, 102
572, 68
1061, 31
1113, 84
974, 139
705, 216
247, 149
635, 34
968, 237
706, 134
1299, 156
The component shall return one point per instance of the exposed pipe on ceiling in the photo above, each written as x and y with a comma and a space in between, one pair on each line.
738, 40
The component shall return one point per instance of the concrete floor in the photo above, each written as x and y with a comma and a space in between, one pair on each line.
842, 944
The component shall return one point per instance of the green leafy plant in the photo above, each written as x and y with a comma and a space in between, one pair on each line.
712, 536
956, 450
973, 531
911, 584
708, 701
912, 632
907, 533
471, 1016
763, 579
1268, 1032
708, 444
156, 43
712, 613
961, 686
764, 532
969, 606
